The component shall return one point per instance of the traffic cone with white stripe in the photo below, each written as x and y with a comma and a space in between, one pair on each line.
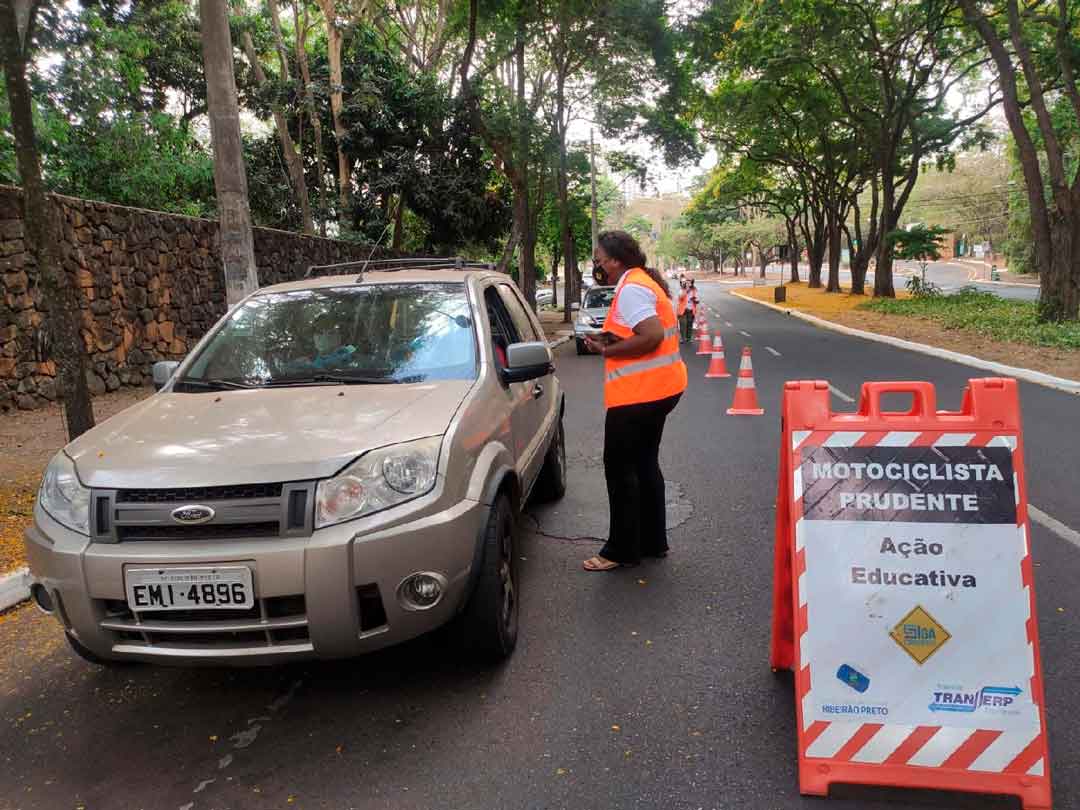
745, 403
704, 343
717, 366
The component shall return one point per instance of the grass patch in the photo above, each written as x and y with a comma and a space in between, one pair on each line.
984, 314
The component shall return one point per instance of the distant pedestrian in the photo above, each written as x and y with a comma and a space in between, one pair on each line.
686, 315
644, 377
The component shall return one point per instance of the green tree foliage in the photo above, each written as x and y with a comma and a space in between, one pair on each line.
841, 95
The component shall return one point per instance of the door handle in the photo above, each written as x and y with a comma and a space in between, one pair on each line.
538, 391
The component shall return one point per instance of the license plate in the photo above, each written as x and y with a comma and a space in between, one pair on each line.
208, 588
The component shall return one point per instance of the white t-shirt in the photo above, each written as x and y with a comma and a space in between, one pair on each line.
634, 303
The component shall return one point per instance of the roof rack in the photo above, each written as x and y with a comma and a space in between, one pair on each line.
388, 265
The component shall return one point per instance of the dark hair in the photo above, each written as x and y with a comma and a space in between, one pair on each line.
623, 247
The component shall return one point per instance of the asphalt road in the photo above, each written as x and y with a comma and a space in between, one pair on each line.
644, 688
950, 276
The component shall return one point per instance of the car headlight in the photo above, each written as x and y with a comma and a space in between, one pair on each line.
63, 496
378, 480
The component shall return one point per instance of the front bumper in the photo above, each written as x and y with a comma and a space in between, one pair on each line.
331, 595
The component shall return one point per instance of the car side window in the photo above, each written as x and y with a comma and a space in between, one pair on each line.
525, 329
503, 331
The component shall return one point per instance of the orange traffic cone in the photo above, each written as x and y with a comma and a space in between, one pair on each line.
745, 402
717, 366
704, 344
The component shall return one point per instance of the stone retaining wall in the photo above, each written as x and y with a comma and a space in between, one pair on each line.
150, 285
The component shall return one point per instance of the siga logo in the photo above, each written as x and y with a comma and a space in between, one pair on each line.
193, 514
993, 697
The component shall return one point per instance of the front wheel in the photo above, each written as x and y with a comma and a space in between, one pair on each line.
490, 620
581, 347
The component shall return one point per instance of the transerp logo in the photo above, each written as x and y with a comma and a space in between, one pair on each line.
991, 697
192, 514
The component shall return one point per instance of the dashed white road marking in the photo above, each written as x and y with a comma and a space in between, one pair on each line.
745, 334
773, 351
1054, 525
840, 393
729, 324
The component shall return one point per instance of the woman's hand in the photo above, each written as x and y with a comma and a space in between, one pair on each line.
647, 336
594, 345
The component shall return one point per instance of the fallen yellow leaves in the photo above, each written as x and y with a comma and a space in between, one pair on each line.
16, 513
813, 301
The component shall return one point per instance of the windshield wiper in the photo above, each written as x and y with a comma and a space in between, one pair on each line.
214, 384
334, 379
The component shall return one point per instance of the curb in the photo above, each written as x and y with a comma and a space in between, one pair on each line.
14, 588
1026, 374
554, 344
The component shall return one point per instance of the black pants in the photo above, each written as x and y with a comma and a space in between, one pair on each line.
635, 483
686, 321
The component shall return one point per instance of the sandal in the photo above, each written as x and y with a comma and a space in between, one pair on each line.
600, 564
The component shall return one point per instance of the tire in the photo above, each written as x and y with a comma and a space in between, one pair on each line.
551, 483
581, 349
91, 657
490, 619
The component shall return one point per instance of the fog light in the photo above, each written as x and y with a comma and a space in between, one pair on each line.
42, 598
421, 591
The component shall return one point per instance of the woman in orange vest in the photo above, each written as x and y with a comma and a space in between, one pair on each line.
644, 376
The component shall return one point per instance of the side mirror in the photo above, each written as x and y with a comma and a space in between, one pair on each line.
163, 370
527, 361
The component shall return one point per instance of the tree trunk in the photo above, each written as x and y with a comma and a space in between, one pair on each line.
1055, 240
563, 190
399, 223
1059, 293
510, 247
527, 266
333, 50
793, 248
294, 164
883, 275
834, 252
555, 257
40, 228
230, 180
309, 107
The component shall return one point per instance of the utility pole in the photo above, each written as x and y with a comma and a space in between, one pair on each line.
230, 180
592, 172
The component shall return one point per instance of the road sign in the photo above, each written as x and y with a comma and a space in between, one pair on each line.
904, 595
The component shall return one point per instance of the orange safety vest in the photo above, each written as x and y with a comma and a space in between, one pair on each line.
682, 303
651, 377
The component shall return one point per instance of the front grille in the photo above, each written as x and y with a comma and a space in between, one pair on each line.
234, 512
269, 622
207, 531
234, 492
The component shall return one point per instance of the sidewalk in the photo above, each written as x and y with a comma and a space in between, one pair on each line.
552, 322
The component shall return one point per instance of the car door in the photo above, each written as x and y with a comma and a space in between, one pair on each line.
540, 411
517, 399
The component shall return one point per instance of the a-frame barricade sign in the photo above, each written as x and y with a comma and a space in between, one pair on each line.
903, 595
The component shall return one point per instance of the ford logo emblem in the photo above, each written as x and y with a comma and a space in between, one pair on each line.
192, 515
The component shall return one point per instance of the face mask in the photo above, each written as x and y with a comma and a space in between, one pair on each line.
324, 342
598, 273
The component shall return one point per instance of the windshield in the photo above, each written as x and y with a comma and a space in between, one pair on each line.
360, 333
599, 298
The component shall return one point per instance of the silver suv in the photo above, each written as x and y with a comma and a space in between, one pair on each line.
336, 467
